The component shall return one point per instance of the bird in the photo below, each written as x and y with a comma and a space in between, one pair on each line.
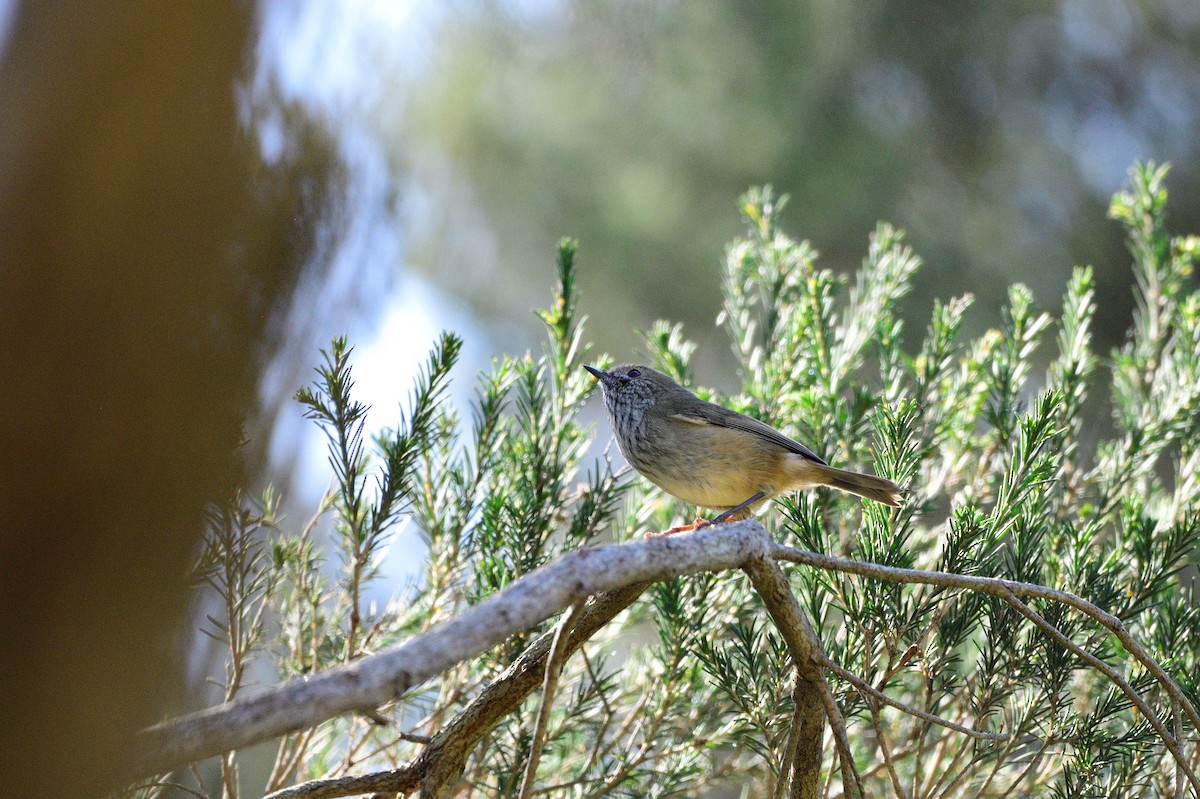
711, 456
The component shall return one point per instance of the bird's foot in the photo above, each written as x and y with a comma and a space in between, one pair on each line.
696, 525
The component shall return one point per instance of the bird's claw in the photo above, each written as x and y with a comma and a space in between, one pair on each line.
696, 525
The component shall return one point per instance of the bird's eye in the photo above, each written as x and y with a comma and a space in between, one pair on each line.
635, 373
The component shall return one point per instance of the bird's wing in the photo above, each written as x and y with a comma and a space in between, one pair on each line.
707, 413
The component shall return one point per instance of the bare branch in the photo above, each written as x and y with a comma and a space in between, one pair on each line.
1111, 673
870, 690
886, 751
553, 666
617, 574
999, 588
850, 775
805, 649
408, 778
792, 745
1177, 719
449, 749
381, 678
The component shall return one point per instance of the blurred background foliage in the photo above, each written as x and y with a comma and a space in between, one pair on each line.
994, 134
197, 197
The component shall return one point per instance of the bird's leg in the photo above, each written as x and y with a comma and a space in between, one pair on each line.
724, 517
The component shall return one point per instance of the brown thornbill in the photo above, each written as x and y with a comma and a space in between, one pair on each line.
711, 456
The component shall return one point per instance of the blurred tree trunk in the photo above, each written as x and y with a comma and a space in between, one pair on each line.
136, 278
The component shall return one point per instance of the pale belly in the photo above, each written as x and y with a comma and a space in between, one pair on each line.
719, 495
704, 469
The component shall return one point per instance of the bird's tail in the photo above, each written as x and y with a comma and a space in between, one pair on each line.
812, 474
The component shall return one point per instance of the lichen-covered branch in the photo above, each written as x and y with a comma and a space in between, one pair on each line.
378, 679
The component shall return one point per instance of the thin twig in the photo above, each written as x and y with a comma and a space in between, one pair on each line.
837, 723
997, 587
554, 664
601, 732
229, 778
947, 774
1029, 767
634, 716
967, 767
897, 756
922, 732
885, 750
283, 768
179, 786
1178, 724
865, 687
587, 662
413, 737
1111, 673
651, 726
918, 645
792, 745
1000, 759
379, 748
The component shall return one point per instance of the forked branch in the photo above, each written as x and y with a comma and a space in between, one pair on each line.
614, 576
378, 679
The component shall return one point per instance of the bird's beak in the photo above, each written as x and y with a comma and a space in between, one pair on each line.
599, 374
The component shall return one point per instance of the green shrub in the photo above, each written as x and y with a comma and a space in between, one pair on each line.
1085, 481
